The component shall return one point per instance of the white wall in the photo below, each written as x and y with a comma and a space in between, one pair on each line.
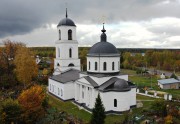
67, 89
62, 50
100, 62
64, 32
133, 96
124, 100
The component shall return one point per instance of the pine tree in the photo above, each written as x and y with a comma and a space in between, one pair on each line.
98, 112
173, 76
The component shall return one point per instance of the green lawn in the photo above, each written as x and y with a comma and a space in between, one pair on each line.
145, 81
72, 109
129, 72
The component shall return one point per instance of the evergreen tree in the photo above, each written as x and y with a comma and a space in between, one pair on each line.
98, 112
173, 76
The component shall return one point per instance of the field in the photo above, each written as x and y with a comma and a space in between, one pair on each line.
148, 81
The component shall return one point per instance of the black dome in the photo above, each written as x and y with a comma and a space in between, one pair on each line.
121, 84
66, 22
103, 48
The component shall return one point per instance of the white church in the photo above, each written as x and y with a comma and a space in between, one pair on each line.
103, 73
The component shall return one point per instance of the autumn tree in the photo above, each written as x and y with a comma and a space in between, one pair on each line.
26, 68
169, 119
7, 55
83, 53
98, 112
32, 101
10, 112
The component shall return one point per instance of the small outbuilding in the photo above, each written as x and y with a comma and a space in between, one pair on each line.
170, 83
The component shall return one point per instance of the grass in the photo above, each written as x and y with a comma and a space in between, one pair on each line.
129, 72
70, 108
145, 81
85, 116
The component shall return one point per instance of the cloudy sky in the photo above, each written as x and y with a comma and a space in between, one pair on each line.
129, 23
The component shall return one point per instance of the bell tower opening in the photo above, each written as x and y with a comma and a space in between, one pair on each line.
69, 34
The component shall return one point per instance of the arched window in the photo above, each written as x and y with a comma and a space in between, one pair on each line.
112, 65
70, 53
69, 34
59, 34
50, 86
58, 91
58, 52
104, 66
119, 65
95, 65
61, 92
71, 65
115, 102
89, 65
57, 64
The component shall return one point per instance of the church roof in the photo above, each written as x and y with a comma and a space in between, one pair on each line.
66, 21
115, 84
103, 48
67, 76
91, 81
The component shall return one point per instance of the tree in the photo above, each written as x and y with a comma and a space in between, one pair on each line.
11, 111
169, 119
159, 107
32, 101
98, 112
7, 55
174, 76
26, 68
45, 71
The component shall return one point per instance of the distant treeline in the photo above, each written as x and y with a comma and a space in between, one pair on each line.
49, 51
167, 59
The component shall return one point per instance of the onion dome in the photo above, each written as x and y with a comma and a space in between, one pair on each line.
103, 48
66, 21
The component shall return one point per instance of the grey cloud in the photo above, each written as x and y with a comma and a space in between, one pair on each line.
23, 16
166, 30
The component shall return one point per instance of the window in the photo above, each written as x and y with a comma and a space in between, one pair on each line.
95, 65
112, 65
70, 53
58, 52
59, 34
83, 94
89, 65
69, 34
50, 86
119, 65
61, 92
57, 64
71, 65
58, 91
104, 66
115, 102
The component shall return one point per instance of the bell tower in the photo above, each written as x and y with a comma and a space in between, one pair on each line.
66, 46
